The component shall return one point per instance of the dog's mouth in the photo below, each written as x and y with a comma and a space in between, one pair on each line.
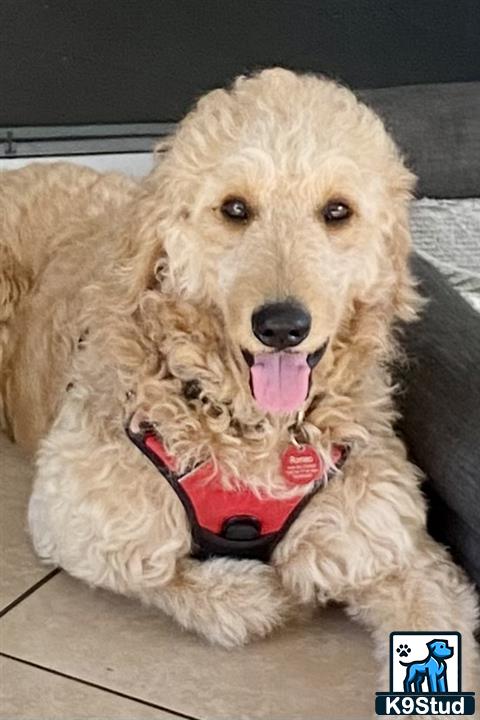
280, 381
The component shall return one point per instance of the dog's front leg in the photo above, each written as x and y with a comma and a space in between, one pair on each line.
442, 684
229, 602
431, 594
226, 601
114, 524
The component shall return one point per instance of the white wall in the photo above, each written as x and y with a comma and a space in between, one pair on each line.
135, 164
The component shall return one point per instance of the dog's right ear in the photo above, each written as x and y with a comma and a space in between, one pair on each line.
139, 261
15, 280
404, 301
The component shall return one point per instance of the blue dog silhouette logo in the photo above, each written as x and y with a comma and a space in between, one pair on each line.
425, 676
433, 668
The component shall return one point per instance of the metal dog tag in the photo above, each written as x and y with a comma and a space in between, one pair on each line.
301, 464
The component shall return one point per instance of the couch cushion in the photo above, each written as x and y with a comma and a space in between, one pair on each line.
441, 403
438, 129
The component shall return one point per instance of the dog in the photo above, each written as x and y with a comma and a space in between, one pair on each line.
433, 669
200, 363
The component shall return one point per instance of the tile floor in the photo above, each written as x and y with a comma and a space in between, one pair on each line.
70, 652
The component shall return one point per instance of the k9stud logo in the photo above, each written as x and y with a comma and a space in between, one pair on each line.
425, 676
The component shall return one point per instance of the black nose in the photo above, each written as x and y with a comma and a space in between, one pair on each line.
281, 325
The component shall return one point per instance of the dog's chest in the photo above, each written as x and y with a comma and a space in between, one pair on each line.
233, 518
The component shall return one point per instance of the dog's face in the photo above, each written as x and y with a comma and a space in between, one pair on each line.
440, 649
287, 214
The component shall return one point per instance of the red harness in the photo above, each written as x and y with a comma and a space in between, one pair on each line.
238, 523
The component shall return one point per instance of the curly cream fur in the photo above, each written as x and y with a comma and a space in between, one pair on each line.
114, 296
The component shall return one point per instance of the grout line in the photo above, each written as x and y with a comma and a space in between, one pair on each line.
98, 687
28, 592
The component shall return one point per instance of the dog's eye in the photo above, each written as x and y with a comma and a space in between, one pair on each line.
336, 211
235, 209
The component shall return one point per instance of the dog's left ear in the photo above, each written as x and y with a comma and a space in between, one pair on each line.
404, 299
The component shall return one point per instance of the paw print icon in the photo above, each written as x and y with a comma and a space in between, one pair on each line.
403, 650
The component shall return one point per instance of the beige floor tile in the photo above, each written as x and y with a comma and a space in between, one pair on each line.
28, 693
322, 669
19, 567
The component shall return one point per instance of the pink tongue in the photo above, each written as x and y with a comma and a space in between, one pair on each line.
280, 380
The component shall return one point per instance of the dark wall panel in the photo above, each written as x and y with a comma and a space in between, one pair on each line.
146, 60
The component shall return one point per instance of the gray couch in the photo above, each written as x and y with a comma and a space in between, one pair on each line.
438, 128
440, 406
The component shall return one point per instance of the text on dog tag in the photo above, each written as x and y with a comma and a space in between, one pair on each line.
301, 465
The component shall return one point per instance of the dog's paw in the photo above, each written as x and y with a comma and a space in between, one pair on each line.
229, 601
403, 650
